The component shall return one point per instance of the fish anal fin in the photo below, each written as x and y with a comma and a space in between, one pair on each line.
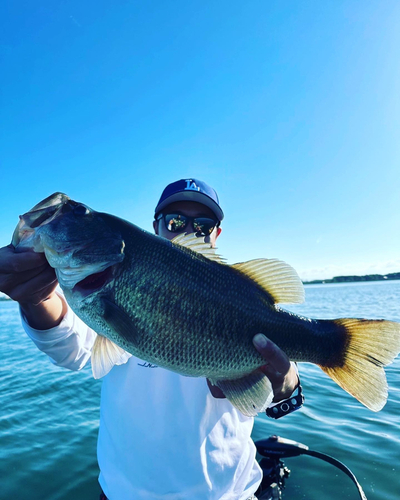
250, 394
198, 245
106, 354
277, 278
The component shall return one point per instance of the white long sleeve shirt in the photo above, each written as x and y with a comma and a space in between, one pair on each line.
161, 435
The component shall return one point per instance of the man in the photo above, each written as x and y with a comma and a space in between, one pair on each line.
161, 435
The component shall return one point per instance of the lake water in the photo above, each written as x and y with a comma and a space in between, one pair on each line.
49, 416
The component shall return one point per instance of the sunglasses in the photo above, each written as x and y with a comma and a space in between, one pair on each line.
175, 223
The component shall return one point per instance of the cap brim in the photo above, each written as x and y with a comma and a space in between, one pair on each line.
192, 196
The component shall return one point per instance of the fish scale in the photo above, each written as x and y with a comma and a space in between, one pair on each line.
180, 306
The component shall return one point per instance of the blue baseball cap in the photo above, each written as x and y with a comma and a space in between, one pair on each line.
190, 190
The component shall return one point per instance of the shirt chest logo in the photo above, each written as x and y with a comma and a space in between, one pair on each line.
145, 364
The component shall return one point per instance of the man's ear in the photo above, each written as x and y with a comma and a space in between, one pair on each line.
218, 232
155, 226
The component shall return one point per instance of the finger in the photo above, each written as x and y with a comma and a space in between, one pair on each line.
275, 358
39, 296
36, 289
44, 294
9, 282
12, 261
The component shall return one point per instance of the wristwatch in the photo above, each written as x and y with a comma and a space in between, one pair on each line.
287, 406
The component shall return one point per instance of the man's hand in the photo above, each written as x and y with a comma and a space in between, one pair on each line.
278, 369
27, 278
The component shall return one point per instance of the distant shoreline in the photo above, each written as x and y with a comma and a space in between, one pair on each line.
355, 279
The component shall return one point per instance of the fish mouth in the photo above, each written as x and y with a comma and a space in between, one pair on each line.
94, 282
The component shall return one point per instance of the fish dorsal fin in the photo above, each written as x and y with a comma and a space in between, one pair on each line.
106, 354
276, 277
198, 245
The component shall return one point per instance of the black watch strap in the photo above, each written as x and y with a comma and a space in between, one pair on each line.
287, 406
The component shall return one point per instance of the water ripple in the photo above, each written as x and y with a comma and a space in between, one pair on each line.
49, 416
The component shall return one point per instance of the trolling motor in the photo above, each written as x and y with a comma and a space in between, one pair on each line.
275, 472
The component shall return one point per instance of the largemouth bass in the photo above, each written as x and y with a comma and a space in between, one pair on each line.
178, 305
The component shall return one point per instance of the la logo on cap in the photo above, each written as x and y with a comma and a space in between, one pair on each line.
191, 185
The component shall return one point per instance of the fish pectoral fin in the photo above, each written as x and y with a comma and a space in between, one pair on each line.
277, 278
106, 354
198, 245
250, 394
119, 321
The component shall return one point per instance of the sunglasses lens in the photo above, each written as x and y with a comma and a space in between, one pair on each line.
175, 222
203, 225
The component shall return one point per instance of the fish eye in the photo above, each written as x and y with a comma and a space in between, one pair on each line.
81, 210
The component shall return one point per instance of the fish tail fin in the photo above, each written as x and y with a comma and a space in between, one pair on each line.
370, 345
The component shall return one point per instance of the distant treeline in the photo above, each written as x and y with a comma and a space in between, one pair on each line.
350, 279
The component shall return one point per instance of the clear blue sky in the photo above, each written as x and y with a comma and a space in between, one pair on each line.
290, 109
